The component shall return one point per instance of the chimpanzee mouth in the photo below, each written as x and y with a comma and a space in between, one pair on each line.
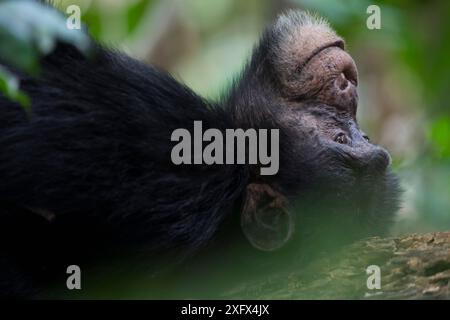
367, 201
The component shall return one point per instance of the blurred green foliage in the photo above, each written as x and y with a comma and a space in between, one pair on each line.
440, 135
29, 31
9, 86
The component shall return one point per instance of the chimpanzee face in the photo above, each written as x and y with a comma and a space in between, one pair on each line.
337, 134
330, 171
334, 175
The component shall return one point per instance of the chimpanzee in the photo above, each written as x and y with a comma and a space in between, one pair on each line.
89, 173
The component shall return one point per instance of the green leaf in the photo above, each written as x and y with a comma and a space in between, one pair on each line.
29, 30
9, 85
440, 135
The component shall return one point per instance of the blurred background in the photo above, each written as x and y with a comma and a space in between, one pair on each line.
404, 71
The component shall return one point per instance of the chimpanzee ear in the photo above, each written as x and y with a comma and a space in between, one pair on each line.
265, 220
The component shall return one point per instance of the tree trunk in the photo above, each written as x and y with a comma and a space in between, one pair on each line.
413, 266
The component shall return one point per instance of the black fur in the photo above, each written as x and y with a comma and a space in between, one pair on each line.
96, 152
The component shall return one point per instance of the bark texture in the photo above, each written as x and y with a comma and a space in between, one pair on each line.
415, 266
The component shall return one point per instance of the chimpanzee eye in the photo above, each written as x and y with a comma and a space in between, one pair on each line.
341, 138
366, 137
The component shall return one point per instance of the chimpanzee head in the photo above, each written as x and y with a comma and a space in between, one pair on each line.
302, 81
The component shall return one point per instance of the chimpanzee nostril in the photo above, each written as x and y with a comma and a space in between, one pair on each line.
341, 82
351, 74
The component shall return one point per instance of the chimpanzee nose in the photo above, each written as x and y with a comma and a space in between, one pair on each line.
344, 92
379, 160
